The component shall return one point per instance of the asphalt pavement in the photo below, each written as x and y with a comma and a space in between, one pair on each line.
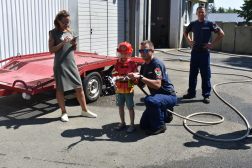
32, 134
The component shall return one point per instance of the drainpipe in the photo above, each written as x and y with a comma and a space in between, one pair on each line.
190, 10
132, 24
144, 20
207, 9
127, 23
140, 23
180, 19
149, 20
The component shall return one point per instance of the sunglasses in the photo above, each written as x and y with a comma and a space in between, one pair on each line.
65, 23
145, 50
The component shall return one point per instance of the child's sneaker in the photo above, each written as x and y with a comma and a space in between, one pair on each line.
88, 114
64, 117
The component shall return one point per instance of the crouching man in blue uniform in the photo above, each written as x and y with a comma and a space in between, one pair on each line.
200, 56
163, 96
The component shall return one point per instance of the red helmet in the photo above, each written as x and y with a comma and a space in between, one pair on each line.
124, 47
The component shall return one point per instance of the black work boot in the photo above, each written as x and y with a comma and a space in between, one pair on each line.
189, 96
170, 117
155, 131
206, 99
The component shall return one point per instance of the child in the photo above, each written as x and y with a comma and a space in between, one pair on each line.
124, 87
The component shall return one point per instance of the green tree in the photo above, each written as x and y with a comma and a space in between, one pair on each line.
246, 11
212, 8
229, 10
221, 10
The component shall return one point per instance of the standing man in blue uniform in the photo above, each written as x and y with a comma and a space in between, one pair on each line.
200, 55
163, 96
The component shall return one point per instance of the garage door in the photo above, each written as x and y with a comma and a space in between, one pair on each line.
101, 25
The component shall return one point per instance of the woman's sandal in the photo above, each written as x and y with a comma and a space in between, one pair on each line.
131, 129
120, 126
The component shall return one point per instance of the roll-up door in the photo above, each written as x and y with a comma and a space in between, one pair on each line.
98, 29
101, 25
84, 25
116, 25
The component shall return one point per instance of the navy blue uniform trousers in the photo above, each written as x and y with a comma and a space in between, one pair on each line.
155, 113
200, 61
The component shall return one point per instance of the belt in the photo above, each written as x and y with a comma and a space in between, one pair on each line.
123, 81
173, 93
200, 49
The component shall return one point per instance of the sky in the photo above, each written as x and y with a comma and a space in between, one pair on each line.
229, 3
225, 4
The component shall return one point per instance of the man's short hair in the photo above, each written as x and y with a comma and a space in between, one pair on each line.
200, 7
148, 42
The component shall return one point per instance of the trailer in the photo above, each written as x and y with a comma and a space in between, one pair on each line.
32, 74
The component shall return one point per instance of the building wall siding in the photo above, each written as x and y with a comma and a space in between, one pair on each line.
25, 25
107, 21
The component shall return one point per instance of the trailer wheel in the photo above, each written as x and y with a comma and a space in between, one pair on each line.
92, 86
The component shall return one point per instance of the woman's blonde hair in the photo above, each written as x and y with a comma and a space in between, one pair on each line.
59, 16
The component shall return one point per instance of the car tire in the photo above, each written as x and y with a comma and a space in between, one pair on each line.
92, 86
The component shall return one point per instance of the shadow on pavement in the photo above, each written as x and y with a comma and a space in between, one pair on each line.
139, 104
142, 102
245, 62
16, 123
16, 112
90, 134
180, 100
222, 145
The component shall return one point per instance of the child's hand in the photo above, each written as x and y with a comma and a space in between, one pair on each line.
125, 78
120, 78
133, 76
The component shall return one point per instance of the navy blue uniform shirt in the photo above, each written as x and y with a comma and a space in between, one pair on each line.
156, 70
202, 31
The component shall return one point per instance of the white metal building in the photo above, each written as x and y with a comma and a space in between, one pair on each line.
25, 25
225, 17
100, 25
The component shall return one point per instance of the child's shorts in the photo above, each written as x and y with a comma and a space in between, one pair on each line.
121, 98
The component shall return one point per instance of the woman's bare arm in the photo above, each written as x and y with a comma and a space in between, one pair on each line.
52, 47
